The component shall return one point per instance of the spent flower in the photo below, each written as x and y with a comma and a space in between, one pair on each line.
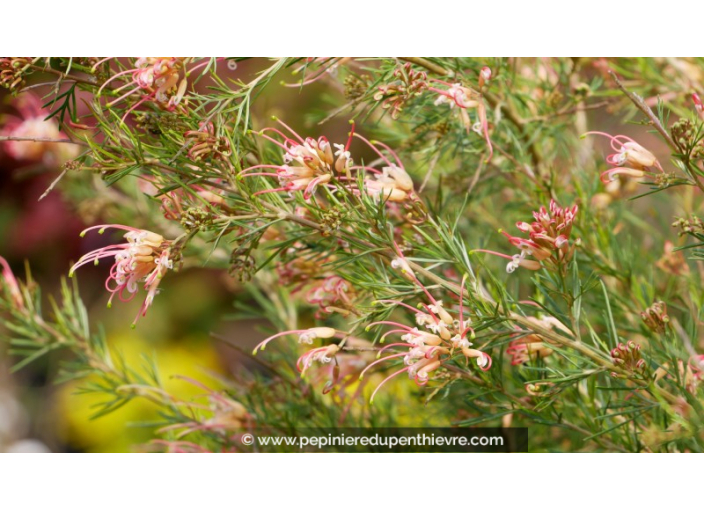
628, 357
655, 317
407, 84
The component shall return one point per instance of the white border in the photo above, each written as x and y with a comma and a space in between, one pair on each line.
362, 27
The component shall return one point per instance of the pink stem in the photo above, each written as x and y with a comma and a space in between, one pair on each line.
361, 375
261, 345
405, 369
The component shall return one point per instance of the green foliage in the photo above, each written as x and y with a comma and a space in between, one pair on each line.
182, 169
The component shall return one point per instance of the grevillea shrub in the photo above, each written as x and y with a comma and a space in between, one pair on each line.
423, 241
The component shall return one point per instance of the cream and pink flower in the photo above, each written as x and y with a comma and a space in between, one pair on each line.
142, 261
310, 163
322, 355
160, 80
332, 291
440, 333
466, 98
630, 159
548, 239
305, 336
307, 163
392, 184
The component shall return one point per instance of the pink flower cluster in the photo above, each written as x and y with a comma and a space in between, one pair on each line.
157, 79
311, 163
630, 159
465, 98
548, 240
144, 258
439, 334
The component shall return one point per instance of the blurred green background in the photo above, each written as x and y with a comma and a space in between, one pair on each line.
38, 415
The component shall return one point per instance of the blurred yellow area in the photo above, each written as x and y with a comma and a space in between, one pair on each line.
400, 393
133, 424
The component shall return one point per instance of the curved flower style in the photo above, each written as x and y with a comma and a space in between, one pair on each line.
175, 204
305, 336
630, 159
307, 271
309, 163
435, 340
344, 366
207, 143
333, 290
158, 79
12, 71
144, 258
392, 183
549, 239
438, 335
322, 355
32, 124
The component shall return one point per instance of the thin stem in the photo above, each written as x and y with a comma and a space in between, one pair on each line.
640, 104
40, 140
655, 122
